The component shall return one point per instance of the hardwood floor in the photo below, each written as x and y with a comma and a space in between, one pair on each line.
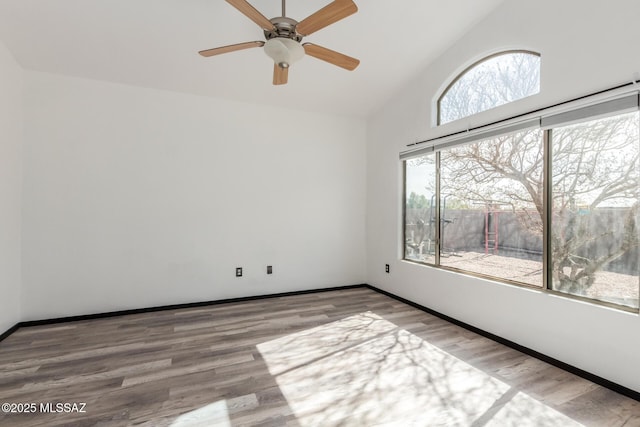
347, 357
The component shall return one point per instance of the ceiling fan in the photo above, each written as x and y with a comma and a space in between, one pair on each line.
284, 35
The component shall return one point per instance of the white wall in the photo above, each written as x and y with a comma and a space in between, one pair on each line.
584, 49
137, 197
10, 187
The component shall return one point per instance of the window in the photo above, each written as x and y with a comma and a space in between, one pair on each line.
420, 209
491, 82
594, 233
491, 207
551, 202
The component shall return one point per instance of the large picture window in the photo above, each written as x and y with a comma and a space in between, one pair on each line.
491, 207
551, 202
594, 232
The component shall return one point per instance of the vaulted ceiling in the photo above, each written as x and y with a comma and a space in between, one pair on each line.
154, 43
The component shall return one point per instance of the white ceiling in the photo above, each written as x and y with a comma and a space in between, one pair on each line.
154, 43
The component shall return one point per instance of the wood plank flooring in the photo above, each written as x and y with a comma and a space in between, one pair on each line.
346, 357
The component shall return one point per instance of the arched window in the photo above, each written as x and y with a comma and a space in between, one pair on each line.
490, 82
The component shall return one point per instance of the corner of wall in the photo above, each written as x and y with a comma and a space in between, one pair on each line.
11, 144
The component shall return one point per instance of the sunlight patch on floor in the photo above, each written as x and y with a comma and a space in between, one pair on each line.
303, 347
364, 370
524, 411
215, 414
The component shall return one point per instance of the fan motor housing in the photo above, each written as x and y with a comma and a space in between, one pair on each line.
284, 27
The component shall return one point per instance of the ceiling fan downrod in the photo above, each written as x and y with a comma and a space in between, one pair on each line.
284, 8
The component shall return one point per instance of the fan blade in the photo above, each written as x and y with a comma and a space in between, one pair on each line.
252, 13
331, 56
230, 48
329, 14
280, 75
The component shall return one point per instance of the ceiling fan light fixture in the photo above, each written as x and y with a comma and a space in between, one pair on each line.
283, 51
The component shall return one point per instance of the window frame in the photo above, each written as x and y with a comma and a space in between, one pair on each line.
469, 68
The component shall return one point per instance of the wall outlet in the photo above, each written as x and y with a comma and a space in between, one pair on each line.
269, 269
386, 268
238, 271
